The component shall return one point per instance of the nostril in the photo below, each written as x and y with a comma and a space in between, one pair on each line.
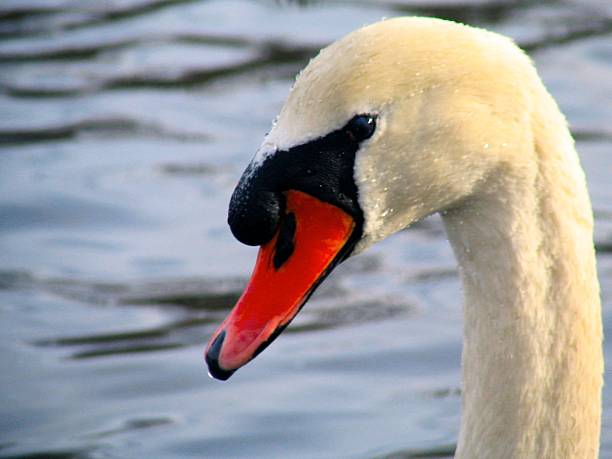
285, 243
212, 359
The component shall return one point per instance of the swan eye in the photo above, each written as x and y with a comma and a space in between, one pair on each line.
361, 127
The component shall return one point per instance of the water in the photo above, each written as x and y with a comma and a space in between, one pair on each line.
123, 129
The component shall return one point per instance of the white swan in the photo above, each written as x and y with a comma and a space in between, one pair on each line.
405, 118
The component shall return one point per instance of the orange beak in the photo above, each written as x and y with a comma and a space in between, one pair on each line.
305, 248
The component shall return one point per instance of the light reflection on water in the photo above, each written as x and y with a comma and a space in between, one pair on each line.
123, 129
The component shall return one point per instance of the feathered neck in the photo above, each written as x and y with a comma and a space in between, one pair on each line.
532, 357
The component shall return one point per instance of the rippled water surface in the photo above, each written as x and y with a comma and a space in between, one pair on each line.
123, 127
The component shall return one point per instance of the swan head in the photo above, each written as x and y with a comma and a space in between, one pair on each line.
392, 123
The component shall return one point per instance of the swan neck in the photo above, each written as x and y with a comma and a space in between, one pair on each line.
532, 357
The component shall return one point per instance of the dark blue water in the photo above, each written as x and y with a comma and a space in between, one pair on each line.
123, 128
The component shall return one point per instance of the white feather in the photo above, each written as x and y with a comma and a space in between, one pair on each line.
466, 128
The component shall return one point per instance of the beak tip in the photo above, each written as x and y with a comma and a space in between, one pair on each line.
218, 373
212, 359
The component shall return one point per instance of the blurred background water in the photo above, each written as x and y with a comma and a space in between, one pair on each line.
124, 126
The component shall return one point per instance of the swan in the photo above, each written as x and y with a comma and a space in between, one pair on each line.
402, 119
